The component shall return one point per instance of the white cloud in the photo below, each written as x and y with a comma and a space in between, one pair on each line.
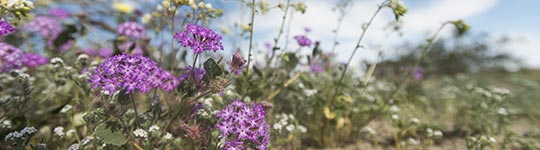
419, 23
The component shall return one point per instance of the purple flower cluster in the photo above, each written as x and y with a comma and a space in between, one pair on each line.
10, 57
103, 53
32, 60
131, 29
199, 73
5, 28
44, 26
303, 40
199, 38
130, 73
59, 13
241, 125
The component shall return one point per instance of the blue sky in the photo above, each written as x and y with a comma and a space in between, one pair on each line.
518, 19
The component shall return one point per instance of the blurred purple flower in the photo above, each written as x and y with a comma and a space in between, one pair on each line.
10, 57
316, 68
307, 29
59, 13
105, 52
5, 28
199, 39
303, 40
239, 122
130, 73
131, 29
90, 51
66, 46
45, 26
199, 73
32, 60
268, 45
125, 47
417, 72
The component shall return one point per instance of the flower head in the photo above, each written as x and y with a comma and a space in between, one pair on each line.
59, 13
5, 28
245, 123
44, 26
199, 39
303, 40
32, 60
237, 63
130, 73
131, 29
10, 57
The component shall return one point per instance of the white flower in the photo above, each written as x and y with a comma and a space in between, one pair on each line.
394, 108
140, 133
146, 18
370, 131
59, 131
75, 146
154, 128
28, 130
492, 140
395, 117
413, 141
6, 124
310, 92
429, 132
415, 121
502, 111
57, 60
290, 127
302, 129
66, 108
168, 136
438, 133
278, 126
71, 132
86, 140
208, 6
13, 135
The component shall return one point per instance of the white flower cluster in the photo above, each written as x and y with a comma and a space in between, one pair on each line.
433, 133
307, 92
66, 108
153, 129
287, 121
140, 133
19, 4
18, 136
369, 131
6, 124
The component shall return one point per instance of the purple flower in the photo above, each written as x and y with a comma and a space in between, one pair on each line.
199, 73
44, 26
66, 46
237, 63
131, 73
316, 68
5, 28
241, 124
105, 52
303, 40
417, 72
131, 29
59, 13
10, 57
199, 39
90, 51
32, 60
307, 29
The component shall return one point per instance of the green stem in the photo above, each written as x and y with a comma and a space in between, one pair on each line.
251, 35
276, 41
135, 108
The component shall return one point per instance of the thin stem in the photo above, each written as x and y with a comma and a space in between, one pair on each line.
251, 34
193, 68
173, 52
135, 108
339, 22
276, 41
422, 55
364, 30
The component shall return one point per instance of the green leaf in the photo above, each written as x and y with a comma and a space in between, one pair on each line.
212, 70
111, 132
